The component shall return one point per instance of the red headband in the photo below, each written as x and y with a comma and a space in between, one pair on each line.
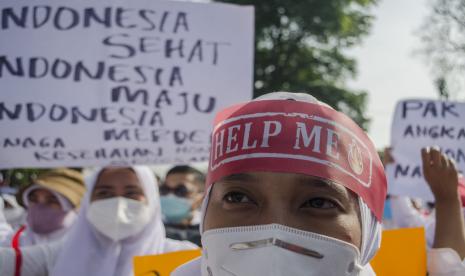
297, 137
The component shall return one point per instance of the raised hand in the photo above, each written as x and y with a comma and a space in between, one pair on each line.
440, 173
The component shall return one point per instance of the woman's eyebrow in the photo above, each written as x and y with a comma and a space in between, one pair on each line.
239, 177
324, 184
132, 187
103, 187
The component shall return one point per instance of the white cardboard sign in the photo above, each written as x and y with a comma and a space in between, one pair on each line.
104, 82
420, 123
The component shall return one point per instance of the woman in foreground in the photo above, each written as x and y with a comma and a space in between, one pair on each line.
294, 188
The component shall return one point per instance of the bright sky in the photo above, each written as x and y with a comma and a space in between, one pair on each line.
387, 66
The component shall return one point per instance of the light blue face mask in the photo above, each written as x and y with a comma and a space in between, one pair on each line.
175, 209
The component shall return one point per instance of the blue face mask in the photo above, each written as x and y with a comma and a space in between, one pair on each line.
175, 209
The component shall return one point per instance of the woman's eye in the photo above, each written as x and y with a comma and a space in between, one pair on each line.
236, 197
33, 200
52, 200
319, 203
103, 194
133, 195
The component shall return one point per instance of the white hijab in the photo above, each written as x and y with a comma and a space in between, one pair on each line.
87, 252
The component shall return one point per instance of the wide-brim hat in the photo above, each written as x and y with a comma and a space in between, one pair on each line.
67, 182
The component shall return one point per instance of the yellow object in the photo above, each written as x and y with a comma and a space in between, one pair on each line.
164, 264
402, 253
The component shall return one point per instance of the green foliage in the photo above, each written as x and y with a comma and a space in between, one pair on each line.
299, 47
20, 177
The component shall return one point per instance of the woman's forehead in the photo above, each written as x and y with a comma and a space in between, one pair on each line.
115, 176
118, 170
287, 181
41, 191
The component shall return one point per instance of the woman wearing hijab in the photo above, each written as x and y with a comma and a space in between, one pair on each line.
294, 188
52, 203
119, 218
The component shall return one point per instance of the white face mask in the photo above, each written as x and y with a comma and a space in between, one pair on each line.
276, 250
118, 218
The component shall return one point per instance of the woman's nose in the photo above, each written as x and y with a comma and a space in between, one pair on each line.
276, 213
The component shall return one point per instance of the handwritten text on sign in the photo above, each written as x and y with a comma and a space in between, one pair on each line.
103, 82
418, 124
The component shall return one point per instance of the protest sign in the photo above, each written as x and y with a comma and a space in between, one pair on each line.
163, 264
128, 82
402, 252
420, 123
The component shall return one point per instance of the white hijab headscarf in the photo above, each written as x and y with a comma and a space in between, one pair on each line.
87, 252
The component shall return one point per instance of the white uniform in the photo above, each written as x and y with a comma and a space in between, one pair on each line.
29, 238
445, 262
40, 260
404, 215
5, 228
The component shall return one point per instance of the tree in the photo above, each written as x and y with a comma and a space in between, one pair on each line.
19, 177
300, 47
443, 45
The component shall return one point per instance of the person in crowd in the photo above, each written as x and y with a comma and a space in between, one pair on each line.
388, 222
181, 196
120, 217
294, 188
15, 214
407, 212
5, 228
52, 203
447, 257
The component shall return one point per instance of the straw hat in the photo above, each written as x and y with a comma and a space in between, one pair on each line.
67, 182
